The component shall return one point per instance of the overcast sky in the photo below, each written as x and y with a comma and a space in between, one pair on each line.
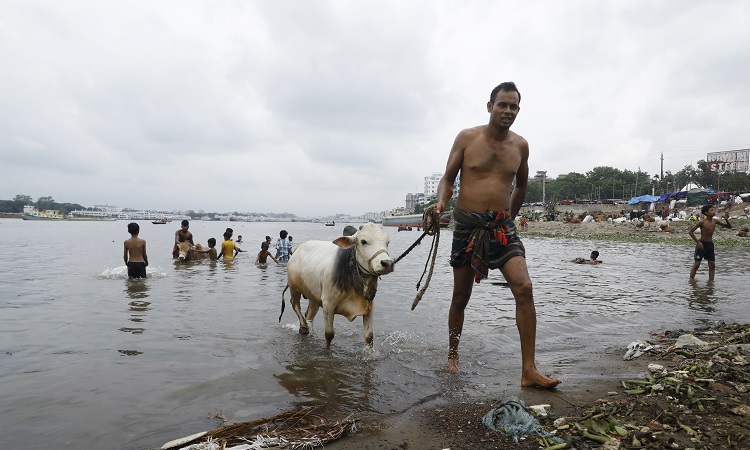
321, 107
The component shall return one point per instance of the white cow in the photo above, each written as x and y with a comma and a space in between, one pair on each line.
341, 276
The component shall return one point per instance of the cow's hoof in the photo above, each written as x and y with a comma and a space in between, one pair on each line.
304, 331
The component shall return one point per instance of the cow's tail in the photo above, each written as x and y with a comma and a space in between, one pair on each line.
282, 302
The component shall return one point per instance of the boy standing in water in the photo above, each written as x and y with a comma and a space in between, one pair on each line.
704, 248
228, 248
211, 250
135, 253
263, 256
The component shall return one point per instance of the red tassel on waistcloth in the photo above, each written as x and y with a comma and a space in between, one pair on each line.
500, 234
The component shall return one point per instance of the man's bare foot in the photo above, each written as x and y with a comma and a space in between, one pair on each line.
533, 378
452, 366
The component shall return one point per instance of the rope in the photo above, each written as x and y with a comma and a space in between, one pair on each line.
431, 225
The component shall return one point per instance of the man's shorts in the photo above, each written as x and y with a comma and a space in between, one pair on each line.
136, 269
499, 254
706, 253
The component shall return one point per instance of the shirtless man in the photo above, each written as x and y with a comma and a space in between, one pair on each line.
704, 248
489, 158
182, 235
135, 253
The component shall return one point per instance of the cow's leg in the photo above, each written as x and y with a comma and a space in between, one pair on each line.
294, 300
328, 317
367, 324
312, 311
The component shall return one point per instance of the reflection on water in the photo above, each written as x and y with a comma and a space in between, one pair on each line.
702, 296
327, 378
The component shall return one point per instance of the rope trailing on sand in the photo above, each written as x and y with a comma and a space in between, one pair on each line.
431, 226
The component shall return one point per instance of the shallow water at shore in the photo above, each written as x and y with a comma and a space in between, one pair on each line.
91, 359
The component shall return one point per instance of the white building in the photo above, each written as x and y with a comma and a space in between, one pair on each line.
431, 186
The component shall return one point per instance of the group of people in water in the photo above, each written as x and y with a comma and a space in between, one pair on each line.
136, 259
229, 248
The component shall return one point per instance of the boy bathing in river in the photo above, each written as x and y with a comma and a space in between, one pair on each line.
135, 253
263, 256
211, 250
704, 248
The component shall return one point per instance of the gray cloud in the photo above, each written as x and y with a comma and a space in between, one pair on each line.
323, 107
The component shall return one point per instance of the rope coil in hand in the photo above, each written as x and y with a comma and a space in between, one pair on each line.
431, 226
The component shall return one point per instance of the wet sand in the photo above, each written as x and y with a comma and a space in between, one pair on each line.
583, 384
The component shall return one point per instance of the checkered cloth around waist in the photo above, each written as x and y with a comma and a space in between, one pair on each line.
481, 228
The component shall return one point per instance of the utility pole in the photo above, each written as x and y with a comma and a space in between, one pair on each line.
661, 174
542, 175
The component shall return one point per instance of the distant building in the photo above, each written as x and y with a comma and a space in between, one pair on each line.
431, 186
412, 200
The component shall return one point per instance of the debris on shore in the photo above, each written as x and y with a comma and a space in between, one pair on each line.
304, 428
692, 395
700, 401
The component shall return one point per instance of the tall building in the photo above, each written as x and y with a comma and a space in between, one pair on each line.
412, 200
431, 186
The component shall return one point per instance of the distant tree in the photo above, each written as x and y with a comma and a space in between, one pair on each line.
6, 206
534, 191
24, 199
734, 182
571, 186
43, 203
18, 202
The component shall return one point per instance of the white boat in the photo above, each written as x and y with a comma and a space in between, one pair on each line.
330, 223
31, 213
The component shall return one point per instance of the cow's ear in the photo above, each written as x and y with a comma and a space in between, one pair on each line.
344, 241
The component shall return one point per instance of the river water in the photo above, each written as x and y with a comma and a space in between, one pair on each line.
90, 359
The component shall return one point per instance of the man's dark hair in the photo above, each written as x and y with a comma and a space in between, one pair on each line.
283, 234
349, 230
706, 208
594, 254
212, 241
229, 230
507, 86
133, 228
185, 223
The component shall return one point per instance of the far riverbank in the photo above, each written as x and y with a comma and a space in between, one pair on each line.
629, 232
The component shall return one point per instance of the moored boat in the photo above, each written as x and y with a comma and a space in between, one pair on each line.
412, 220
31, 213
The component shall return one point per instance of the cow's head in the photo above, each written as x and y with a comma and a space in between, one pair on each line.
184, 250
371, 242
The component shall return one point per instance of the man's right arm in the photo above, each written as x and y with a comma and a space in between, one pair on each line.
455, 160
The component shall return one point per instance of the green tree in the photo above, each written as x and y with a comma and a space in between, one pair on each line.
19, 201
570, 187
43, 203
533, 191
